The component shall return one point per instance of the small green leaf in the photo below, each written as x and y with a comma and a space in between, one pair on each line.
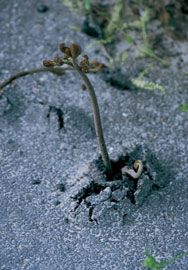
129, 39
87, 4
141, 83
122, 57
184, 107
149, 52
101, 42
151, 263
74, 28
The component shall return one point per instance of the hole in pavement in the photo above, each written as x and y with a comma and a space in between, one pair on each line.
122, 190
155, 187
41, 8
5, 104
60, 115
61, 187
93, 188
116, 78
116, 168
56, 203
90, 29
36, 182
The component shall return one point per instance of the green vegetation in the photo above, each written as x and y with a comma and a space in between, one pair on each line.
143, 83
118, 21
140, 83
184, 107
82, 5
152, 264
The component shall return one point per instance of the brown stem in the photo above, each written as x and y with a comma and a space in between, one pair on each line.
97, 118
55, 70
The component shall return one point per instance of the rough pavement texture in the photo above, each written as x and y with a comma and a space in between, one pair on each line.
48, 151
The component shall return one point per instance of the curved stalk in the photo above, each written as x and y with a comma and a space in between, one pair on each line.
97, 118
55, 70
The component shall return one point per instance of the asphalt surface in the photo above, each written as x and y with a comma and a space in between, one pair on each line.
48, 154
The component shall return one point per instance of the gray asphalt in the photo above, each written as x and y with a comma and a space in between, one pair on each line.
44, 164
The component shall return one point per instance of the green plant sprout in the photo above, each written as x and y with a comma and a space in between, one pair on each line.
152, 264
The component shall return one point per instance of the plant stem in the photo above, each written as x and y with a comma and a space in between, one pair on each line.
55, 70
97, 118
94, 102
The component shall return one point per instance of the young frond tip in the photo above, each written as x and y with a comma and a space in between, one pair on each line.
74, 50
65, 50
